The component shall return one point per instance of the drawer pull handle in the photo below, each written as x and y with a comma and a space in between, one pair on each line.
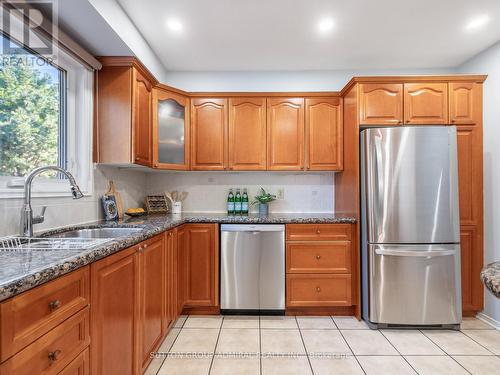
54, 305
53, 356
318, 257
318, 289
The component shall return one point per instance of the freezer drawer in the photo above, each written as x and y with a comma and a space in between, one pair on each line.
252, 267
414, 284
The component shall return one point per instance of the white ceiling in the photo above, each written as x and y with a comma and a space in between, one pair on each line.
227, 35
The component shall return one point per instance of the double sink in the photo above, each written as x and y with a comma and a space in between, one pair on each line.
77, 239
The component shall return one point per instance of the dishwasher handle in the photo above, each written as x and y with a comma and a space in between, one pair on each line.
252, 228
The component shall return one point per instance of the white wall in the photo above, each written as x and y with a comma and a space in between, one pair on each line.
304, 192
329, 80
65, 211
488, 62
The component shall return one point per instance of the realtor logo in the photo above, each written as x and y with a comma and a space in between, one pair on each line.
25, 23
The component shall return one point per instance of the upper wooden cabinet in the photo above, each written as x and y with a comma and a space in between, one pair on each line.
209, 134
247, 133
124, 112
324, 145
465, 103
285, 134
426, 103
380, 104
170, 132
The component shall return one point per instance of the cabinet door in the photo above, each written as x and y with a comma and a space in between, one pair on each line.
114, 300
170, 278
141, 113
470, 174
285, 134
152, 297
471, 264
247, 133
209, 134
181, 268
324, 145
170, 130
202, 271
380, 104
426, 103
465, 102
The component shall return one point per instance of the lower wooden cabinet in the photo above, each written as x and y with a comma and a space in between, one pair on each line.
79, 366
171, 275
115, 313
318, 290
471, 259
152, 292
202, 265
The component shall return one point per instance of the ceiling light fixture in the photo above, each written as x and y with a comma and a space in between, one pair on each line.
477, 22
174, 25
325, 25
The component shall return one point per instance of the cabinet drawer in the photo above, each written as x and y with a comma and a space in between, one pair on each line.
53, 351
318, 257
28, 316
318, 290
318, 232
79, 366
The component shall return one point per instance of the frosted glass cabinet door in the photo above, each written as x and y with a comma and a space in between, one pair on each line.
170, 133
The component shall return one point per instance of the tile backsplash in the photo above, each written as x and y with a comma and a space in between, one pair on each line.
303, 192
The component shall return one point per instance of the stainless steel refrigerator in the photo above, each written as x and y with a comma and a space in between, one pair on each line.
410, 233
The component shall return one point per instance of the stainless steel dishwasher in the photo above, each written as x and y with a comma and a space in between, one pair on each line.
252, 269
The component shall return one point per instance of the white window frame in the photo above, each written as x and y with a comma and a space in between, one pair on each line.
79, 109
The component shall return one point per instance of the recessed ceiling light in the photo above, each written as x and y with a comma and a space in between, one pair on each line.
477, 22
325, 25
174, 24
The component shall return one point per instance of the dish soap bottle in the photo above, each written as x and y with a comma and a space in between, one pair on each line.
244, 203
230, 202
237, 202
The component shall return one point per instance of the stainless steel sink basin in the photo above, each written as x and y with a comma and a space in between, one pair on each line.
97, 233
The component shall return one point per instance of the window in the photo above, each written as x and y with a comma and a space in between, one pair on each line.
45, 119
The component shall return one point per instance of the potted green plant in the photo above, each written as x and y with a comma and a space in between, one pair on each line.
263, 200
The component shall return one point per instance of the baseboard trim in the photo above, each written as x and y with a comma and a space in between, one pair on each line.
489, 320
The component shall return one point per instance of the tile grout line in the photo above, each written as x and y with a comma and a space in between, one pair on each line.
303, 343
349, 346
396, 349
215, 348
477, 342
447, 354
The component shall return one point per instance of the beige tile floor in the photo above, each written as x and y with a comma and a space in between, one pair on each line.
236, 345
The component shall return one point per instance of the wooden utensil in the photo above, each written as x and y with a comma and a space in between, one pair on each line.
118, 198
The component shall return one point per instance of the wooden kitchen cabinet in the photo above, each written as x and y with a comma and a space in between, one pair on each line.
380, 103
79, 366
465, 103
247, 133
181, 268
152, 294
171, 275
471, 260
123, 112
324, 140
170, 133
115, 313
324, 290
202, 265
426, 103
285, 134
209, 134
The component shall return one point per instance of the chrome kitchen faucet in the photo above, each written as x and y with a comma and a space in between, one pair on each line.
27, 219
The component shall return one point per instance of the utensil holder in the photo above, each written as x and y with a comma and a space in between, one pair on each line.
176, 207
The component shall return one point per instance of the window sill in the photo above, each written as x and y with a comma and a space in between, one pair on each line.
19, 194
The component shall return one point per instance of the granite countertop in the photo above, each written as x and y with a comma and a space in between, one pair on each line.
491, 278
20, 271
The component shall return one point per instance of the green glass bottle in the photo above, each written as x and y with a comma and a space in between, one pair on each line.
237, 202
244, 202
230, 202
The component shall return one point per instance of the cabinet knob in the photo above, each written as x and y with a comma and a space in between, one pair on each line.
53, 356
318, 257
318, 231
318, 289
145, 245
139, 249
54, 305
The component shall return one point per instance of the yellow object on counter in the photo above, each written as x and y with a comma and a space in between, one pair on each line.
135, 210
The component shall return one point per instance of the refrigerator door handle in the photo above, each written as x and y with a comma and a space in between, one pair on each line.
406, 253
